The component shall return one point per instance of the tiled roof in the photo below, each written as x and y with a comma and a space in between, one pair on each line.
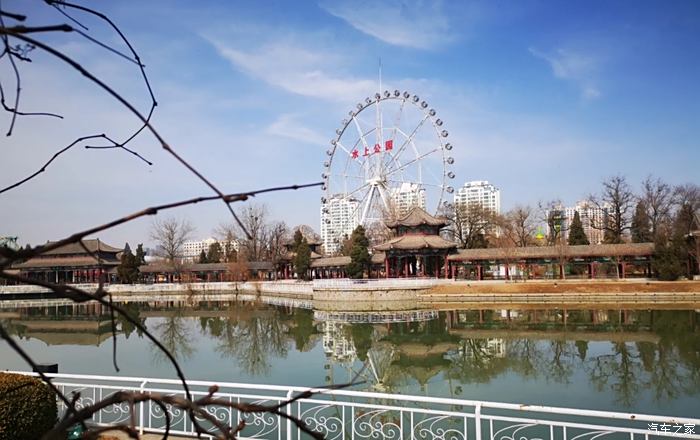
416, 217
161, 267
553, 252
416, 242
76, 248
339, 261
80, 261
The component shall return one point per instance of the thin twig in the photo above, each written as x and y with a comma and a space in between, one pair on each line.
43, 168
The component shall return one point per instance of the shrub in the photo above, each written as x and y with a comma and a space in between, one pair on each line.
27, 407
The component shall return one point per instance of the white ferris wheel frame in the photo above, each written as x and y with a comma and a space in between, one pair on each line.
376, 170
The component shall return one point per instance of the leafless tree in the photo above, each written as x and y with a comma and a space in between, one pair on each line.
471, 224
688, 195
617, 199
276, 239
658, 200
169, 235
519, 225
254, 219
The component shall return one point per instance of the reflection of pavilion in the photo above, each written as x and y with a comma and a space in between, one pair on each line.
67, 332
376, 317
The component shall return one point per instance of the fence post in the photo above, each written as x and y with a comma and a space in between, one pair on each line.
141, 389
289, 414
477, 421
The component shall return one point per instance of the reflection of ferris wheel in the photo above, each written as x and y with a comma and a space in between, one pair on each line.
391, 153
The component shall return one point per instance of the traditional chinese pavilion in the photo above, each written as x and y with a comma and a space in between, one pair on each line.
417, 250
73, 264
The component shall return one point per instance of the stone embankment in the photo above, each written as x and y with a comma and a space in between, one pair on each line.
566, 292
402, 294
288, 289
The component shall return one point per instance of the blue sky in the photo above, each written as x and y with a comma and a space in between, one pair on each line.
543, 99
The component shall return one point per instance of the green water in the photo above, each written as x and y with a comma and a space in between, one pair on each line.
644, 361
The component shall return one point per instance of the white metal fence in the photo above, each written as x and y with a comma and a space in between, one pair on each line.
345, 414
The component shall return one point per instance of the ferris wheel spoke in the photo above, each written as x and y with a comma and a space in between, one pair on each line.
397, 120
357, 190
412, 161
434, 185
360, 133
409, 139
368, 204
356, 212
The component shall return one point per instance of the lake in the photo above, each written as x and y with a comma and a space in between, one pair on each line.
645, 361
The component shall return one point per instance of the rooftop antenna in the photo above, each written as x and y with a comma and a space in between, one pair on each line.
380, 75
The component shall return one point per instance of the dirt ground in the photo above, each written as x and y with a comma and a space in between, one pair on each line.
559, 286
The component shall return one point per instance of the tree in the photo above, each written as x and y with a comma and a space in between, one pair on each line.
360, 259
302, 259
471, 225
277, 238
253, 218
641, 228
577, 236
202, 258
552, 214
519, 226
667, 261
140, 255
169, 236
616, 200
658, 200
215, 253
128, 270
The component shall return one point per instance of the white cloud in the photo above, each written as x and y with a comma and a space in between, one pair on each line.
408, 23
573, 66
297, 70
288, 126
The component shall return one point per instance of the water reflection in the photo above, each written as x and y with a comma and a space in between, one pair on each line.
622, 354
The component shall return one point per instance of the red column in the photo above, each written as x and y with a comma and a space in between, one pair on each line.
386, 267
507, 271
453, 271
447, 269
622, 270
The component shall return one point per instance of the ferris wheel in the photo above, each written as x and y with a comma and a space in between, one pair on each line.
389, 154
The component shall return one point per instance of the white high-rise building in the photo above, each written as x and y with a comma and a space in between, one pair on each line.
479, 192
590, 215
192, 249
407, 196
339, 217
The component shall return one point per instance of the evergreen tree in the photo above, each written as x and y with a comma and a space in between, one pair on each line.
214, 254
230, 254
203, 258
140, 255
128, 270
302, 259
298, 237
577, 236
641, 227
359, 254
668, 261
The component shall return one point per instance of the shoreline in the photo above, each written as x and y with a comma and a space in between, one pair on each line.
439, 295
